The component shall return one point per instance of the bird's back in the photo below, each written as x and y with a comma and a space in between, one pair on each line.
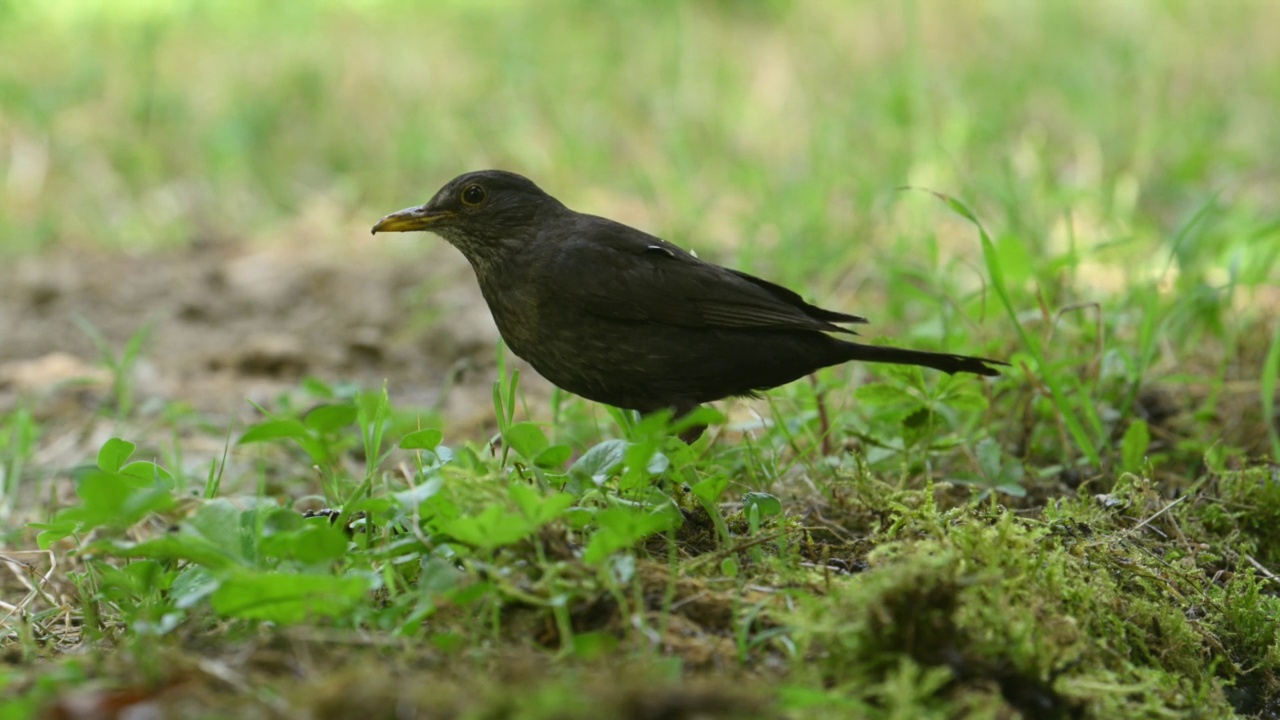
621, 317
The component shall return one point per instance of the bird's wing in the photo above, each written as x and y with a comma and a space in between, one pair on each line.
616, 271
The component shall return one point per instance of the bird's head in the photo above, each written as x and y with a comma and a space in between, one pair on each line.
481, 213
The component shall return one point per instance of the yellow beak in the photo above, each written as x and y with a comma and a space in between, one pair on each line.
410, 219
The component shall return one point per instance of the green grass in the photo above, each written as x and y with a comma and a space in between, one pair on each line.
1087, 189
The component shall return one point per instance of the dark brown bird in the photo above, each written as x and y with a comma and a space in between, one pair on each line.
621, 317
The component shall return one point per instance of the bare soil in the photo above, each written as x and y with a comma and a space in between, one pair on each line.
227, 324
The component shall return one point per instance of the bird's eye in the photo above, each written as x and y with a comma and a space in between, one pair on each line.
473, 195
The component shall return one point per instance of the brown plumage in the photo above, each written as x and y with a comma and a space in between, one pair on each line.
621, 317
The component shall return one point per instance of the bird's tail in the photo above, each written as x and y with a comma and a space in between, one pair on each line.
945, 362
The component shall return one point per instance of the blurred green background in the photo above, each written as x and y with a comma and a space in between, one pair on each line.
143, 123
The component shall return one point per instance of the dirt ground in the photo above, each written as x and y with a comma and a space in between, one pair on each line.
226, 324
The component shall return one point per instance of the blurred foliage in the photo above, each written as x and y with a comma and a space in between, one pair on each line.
1091, 126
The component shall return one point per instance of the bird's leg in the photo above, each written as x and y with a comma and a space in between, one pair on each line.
824, 422
690, 434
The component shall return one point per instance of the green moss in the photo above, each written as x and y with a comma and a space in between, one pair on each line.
1057, 626
1251, 500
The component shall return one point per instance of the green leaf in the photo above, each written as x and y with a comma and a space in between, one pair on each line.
919, 425
227, 527
439, 576
413, 497
652, 425
317, 541
329, 418
288, 599
193, 584
767, 504
109, 500
114, 454
965, 396
283, 520
906, 376
703, 415
1012, 490
553, 457
318, 387
287, 429
380, 506
880, 394
492, 528
619, 528
1134, 445
188, 547
710, 489
579, 517
537, 508
269, 430
600, 462
526, 438
218, 536
147, 474
425, 439
52, 532
988, 453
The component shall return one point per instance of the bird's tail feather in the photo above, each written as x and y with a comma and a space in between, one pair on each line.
945, 362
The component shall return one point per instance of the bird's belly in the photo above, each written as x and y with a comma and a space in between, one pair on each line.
642, 365
644, 368
583, 357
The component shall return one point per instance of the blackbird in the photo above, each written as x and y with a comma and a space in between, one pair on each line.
618, 316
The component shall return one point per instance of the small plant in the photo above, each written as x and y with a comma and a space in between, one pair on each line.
121, 365
19, 433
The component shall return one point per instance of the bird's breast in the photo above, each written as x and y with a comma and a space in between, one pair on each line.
557, 338
517, 314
